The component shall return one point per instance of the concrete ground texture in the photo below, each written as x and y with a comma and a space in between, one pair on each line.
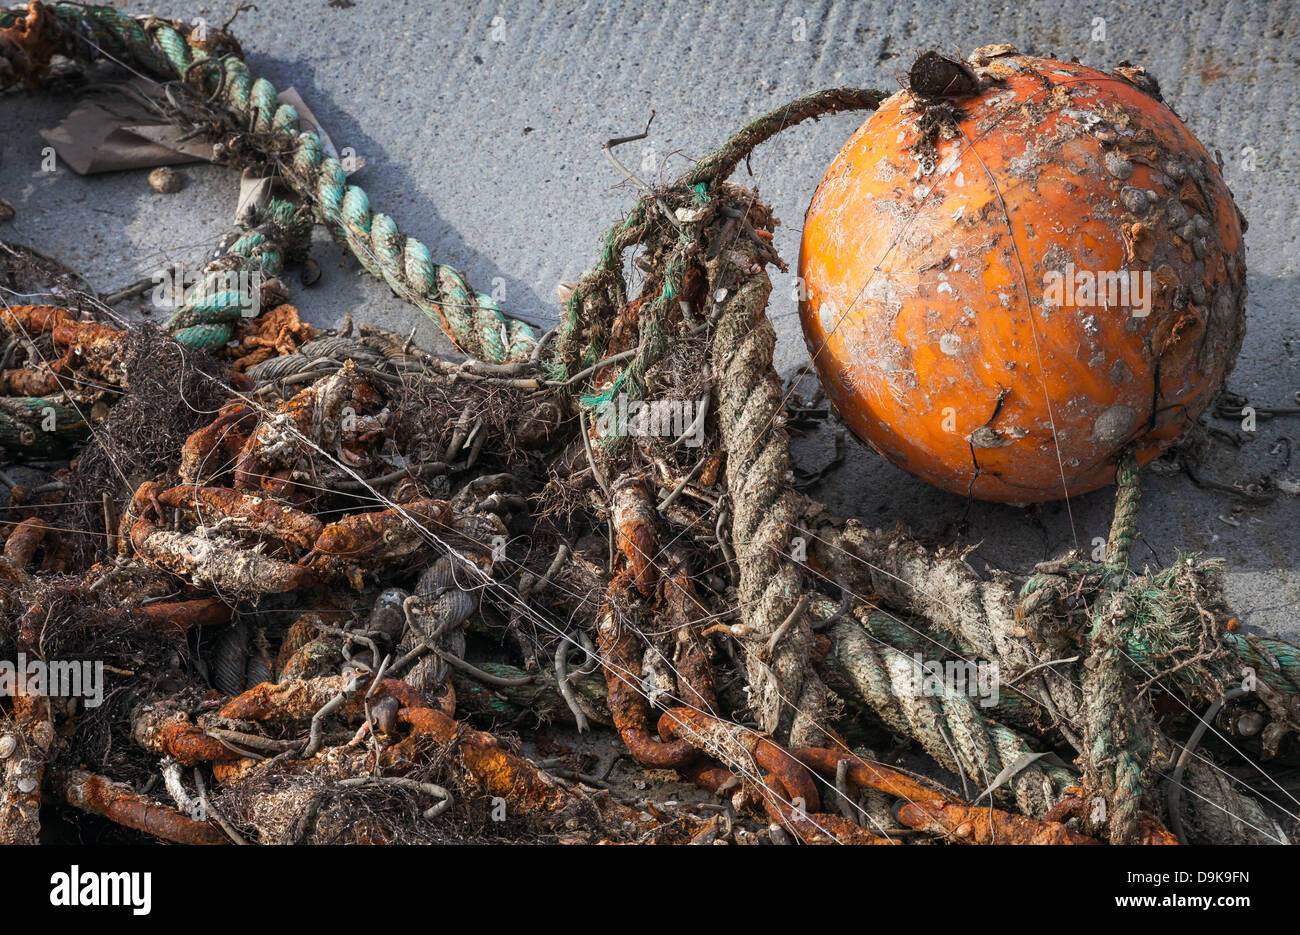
481, 126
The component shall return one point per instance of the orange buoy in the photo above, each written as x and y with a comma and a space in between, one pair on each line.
1018, 268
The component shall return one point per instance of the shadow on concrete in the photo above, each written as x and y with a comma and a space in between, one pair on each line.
418, 214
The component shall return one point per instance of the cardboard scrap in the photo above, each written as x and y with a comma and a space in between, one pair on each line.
109, 134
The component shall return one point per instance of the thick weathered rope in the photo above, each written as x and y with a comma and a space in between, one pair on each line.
1142, 634
272, 130
948, 723
1118, 728
601, 293
939, 586
787, 697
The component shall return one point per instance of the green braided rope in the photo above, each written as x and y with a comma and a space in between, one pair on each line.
607, 272
719, 164
1117, 738
207, 321
653, 344
1162, 609
1118, 728
472, 320
1275, 661
1123, 528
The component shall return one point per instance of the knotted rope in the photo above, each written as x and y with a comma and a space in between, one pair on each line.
669, 222
1117, 728
1132, 629
1169, 621
787, 698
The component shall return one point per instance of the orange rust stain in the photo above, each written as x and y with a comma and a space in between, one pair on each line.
100, 796
207, 449
812, 827
34, 39
24, 540
789, 791
179, 616
186, 743
634, 525
971, 824
258, 514
301, 698
33, 319
495, 770
620, 653
355, 536
866, 774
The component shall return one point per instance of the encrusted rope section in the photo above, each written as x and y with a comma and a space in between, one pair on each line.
705, 245
1123, 527
915, 637
719, 164
212, 68
787, 698
699, 220
939, 586
1117, 727
602, 293
1162, 625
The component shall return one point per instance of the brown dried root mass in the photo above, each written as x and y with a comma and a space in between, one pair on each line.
171, 392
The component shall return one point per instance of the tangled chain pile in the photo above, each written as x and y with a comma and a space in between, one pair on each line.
352, 542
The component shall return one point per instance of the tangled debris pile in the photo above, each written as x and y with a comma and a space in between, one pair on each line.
339, 588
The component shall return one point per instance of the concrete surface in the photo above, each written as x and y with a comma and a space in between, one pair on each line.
482, 126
